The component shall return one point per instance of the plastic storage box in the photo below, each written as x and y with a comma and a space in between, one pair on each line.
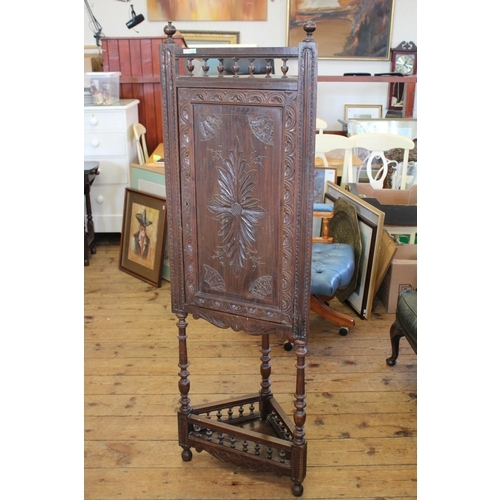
104, 87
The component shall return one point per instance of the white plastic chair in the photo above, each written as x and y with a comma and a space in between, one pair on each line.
140, 140
376, 144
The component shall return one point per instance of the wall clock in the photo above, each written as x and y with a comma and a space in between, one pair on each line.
403, 61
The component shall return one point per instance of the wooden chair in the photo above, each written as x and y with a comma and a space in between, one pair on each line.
326, 143
140, 140
239, 163
376, 144
325, 212
321, 125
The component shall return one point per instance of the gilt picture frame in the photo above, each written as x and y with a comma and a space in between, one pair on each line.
195, 38
371, 226
349, 30
142, 241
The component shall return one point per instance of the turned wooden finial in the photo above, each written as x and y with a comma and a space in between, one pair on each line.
170, 31
309, 28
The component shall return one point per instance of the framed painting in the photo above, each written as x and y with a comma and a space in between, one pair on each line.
371, 226
200, 38
203, 10
321, 177
362, 111
142, 242
345, 29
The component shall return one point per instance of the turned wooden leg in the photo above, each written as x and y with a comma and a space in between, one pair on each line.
396, 334
265, 372
297, 489
85, 247
299, 454
184, 385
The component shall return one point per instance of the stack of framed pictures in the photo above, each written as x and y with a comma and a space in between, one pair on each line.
371, 226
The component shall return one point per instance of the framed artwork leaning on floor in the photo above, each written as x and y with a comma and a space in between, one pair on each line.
143, 236
371, 227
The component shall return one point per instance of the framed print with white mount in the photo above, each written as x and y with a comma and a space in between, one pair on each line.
403, 61
362, 111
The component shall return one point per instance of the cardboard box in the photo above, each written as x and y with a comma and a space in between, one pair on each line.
401, 275
399, 205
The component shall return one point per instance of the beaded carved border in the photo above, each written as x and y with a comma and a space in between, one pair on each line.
286, 99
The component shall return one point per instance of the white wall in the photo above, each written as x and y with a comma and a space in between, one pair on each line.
113, 14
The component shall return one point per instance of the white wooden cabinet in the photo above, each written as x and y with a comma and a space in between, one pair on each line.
108, 139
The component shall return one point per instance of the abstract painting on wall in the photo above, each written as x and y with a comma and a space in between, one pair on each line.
345, 29
203, 10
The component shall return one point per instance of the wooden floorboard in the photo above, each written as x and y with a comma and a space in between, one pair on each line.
361, 422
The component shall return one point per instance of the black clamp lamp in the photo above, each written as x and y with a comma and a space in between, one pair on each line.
135, 19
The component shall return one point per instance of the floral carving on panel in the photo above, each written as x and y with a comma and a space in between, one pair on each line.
213, 278
261, 287
237, 211
262, 128
210, 127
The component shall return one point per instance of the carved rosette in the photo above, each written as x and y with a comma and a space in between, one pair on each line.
237, 211
188, 98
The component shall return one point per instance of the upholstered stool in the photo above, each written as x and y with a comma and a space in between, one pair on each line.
405, 324
332, 267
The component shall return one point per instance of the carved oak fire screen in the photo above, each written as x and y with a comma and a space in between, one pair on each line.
239, 160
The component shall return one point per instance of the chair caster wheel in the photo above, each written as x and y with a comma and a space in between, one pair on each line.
288, 346
343, 331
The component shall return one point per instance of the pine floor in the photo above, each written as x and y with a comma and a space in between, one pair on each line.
361, 422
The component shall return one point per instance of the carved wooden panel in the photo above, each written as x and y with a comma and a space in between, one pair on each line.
240, 261
239, 169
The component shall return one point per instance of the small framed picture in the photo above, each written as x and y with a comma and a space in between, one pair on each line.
362, 111
143, 236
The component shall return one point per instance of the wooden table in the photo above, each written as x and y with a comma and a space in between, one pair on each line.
154, 166
151, 173
90, 172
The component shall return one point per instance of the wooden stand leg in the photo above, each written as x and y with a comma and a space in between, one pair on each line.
265, 372
184, 385
89, 232
85, 247
298, 471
